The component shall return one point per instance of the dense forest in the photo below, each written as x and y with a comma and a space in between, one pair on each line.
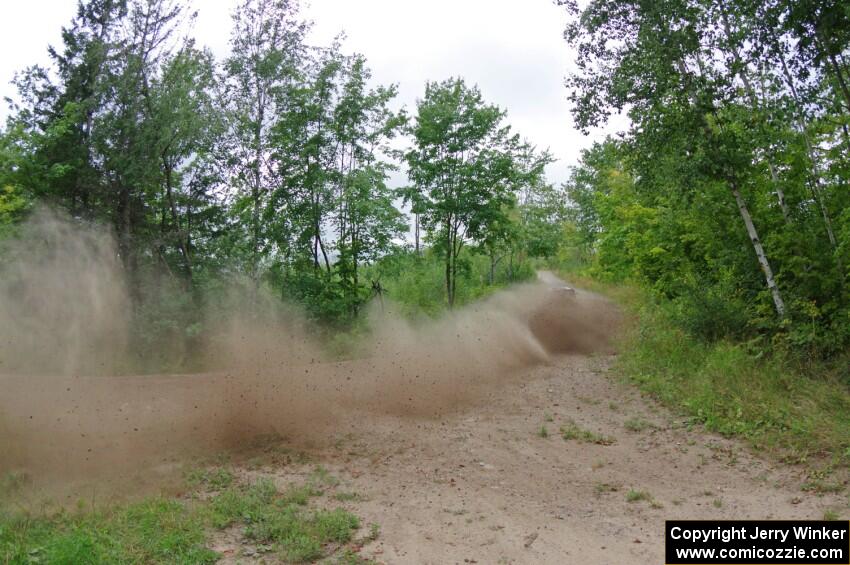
268, 168
729, 193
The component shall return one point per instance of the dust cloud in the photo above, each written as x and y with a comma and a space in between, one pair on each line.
63, 301
64, 315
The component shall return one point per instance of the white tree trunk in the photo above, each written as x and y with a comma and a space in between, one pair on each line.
759, 249
780, 194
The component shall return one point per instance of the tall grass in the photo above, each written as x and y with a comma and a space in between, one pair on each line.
800, 413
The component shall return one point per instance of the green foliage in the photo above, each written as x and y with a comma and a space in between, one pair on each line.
543, 218
416, 284
156, 530
281, 519
12, 208
676, 248
722, 196
796, 412
14, 201
466, 168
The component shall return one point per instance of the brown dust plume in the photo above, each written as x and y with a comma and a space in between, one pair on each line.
63, 417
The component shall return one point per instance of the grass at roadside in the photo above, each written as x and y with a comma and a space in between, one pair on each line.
279, 523
281, 520
156, 530
799, 415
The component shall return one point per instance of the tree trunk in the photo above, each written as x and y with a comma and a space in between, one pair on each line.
780, 194
492, 276
416, 234
759, 249
839, 76
454, 281
257, 187
322, 248
449, 296
182, 241
451, 262
123, 221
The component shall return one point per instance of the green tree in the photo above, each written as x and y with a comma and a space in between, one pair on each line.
464, 166
267, 50
183, 120
734, 159
367, 220
332, 210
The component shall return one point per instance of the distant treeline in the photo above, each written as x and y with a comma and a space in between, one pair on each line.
270, 165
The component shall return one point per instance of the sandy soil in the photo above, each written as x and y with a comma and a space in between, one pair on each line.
481, 486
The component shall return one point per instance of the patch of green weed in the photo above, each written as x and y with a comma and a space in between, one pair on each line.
637, 424
157, 530
216, 479
572, 431
638, 495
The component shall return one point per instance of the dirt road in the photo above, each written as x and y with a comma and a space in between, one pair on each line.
482, 486
455, 469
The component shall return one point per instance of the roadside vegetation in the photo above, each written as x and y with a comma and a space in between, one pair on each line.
782, 406
152, 531
719, 218
269, 522
798, 411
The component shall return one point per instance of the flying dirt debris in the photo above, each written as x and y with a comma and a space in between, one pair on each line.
271, 380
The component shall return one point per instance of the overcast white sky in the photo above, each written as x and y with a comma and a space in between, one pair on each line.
513, 50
